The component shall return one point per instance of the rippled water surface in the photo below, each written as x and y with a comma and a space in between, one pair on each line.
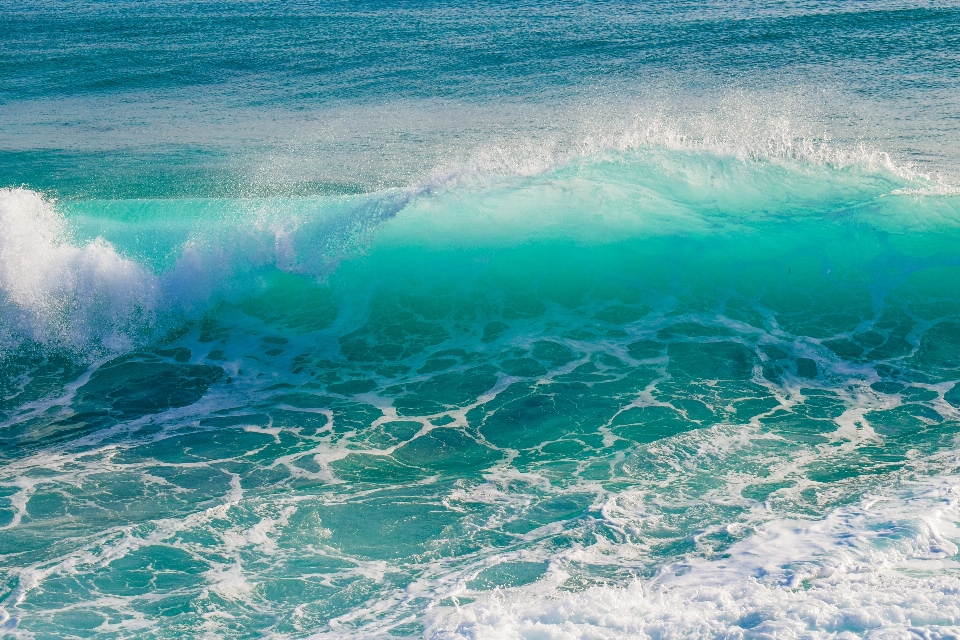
468, 321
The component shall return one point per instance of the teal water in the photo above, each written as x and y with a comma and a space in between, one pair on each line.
461, 321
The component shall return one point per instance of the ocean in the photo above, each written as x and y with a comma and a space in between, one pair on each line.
479, 320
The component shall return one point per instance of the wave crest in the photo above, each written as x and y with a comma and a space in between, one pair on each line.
83, 296
55, 292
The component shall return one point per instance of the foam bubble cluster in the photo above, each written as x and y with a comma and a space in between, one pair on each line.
883, 568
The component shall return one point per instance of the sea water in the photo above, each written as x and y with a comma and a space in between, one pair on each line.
479, 320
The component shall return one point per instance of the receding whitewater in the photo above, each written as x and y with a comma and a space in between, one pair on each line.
486, 322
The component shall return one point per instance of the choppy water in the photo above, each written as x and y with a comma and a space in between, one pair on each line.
472, 321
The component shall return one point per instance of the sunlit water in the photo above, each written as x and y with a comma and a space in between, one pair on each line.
513, 321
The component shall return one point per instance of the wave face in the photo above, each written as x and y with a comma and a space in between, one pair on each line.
646, 393
553, 321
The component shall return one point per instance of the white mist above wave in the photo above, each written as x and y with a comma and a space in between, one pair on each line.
437, 142
405, 141
743, 136
884, 568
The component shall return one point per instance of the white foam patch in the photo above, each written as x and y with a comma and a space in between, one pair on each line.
884, 568
55, 292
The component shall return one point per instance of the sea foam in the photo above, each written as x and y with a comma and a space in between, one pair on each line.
883, 568
57, 292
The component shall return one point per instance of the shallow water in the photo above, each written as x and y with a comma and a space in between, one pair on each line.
582, 322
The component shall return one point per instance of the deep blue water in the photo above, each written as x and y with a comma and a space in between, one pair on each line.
476, 320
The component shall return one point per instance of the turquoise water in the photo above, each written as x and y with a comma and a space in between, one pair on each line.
471, 321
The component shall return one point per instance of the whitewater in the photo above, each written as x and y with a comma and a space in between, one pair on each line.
516, 321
